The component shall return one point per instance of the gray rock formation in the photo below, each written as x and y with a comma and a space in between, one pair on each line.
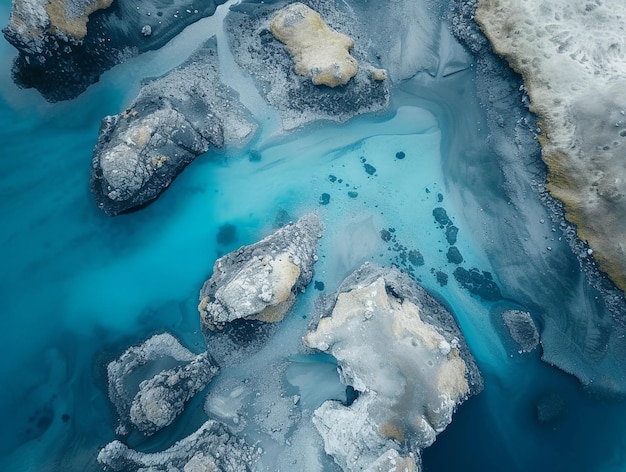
405, 355
65, 45
163, 397
174, 119
152, 401
210, 448
522, 329
297, 98
260, 281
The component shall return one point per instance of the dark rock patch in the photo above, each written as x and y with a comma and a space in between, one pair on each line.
416, 258
319, 285
254, 156
227, 234
324, 199
441, 216
454, 256
400, 155
451, 234
477, 282
550, 408
370, 169
441, 277
353, 194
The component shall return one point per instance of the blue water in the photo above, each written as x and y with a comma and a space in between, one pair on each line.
77, 287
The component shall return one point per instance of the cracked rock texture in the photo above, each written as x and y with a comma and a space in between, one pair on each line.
405, 355
174, 119
260, 281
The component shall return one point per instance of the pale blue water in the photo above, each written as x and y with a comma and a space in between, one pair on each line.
78, 287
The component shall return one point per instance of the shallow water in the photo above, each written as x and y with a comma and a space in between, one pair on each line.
79, 287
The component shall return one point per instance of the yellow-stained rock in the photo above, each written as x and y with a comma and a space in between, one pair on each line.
317, 51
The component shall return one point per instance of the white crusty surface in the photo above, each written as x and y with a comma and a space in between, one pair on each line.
572, 56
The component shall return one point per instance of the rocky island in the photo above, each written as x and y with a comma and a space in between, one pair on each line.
174, 119
65, 45
405, 356
261, 281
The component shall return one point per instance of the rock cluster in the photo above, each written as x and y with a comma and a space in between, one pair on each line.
404, 354
174, 119
260, 281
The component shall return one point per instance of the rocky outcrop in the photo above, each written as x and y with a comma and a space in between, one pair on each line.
571, 55
249, 26
317, 51
404, 354
154, 402
522, 329
210, 448
260, 281
163, 397
65, 45
174, 119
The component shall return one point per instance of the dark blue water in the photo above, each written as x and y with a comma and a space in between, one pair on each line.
78, 287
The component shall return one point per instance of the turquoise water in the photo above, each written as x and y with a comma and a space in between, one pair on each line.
78, 287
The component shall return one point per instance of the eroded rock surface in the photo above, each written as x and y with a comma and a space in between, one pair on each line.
318, 51
163, 397
210, 448
404, 354
65, 45
150, 383
174, 119
260, 281
297, 98
573, 64
522, 329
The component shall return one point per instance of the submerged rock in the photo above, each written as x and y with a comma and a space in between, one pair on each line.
317, 51
65, 45
174, 119
405, 355
260, 281
148, 401
210, 448
352, 90
522, 329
